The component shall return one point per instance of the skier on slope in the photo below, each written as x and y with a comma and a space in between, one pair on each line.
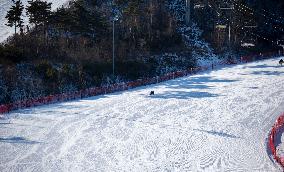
281, 62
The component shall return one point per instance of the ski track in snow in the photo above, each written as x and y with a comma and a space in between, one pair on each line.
5, 5
213, 121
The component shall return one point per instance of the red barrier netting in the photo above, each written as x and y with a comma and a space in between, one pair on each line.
276, 129
121, 86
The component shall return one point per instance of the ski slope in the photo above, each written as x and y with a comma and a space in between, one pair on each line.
5, 5
213, 121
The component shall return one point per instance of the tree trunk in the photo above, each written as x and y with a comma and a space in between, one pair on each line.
16, 33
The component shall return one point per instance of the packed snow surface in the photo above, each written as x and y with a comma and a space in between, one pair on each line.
5, 5
215, 121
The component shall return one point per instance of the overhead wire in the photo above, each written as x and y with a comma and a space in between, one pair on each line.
254, 11
269, 23
251, 33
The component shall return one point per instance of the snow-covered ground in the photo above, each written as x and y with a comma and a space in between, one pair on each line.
215, 121
5, 5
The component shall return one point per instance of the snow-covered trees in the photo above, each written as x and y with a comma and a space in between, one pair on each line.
192, 35
26, 84
68, 79
171, 62
3, 88
177, 8
201, 50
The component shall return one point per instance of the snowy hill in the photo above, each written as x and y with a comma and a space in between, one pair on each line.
216, 121
5, 5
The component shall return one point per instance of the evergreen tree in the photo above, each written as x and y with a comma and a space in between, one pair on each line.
86, 19
14, 15
39, 12
81, 19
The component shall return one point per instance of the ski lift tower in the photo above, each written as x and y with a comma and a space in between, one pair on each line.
188, 12
228, 7
252, 41
114, 18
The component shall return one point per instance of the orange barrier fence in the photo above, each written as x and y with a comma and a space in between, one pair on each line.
119, 86
276, 129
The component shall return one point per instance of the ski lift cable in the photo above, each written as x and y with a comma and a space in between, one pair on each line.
264, 22
257, 35
275, 28
253, 11
267, 22
245, 35
267, 17
218, 13
244, 6
274, 15
241, 27
254, 34
268, 12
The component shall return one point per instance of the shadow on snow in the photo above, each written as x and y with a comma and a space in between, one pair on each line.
183, 95
5, 123
270, 73
195, 82
190, 83
264, 66
20, 140
218, 134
